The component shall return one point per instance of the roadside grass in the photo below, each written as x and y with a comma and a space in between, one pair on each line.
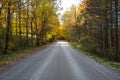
114, 65
19, 54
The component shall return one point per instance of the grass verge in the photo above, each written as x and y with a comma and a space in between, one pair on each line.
114, 65
14, 57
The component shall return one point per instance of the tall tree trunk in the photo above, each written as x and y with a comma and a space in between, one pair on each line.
31, 26
16, 26
27, 23
111, 24
7, 39
116, 32
20, 30
106, 36
36, 30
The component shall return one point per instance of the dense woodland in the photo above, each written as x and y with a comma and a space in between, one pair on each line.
95, 26
27, 23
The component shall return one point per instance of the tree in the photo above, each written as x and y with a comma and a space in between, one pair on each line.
116, 31
8, 28
96, 27
28, 23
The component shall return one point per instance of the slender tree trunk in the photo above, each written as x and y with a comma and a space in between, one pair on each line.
1, 15
111, 24
16, 26
31, 26
106, 35
36, 29
116, 31
20, 30
27, 23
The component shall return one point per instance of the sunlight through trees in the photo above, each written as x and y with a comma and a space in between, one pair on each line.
25, 23
94, 25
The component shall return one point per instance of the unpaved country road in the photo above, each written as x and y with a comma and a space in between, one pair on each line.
59, 62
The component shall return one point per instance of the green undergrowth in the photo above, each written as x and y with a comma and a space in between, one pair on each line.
105, 61
19, 54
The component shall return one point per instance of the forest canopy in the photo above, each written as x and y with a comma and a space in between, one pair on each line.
93, 25
26, 23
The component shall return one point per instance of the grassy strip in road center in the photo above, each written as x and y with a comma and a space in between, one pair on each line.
114, 65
